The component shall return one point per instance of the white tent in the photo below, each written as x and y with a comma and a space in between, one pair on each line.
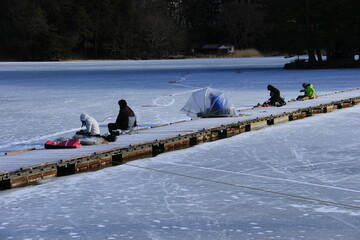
208, 102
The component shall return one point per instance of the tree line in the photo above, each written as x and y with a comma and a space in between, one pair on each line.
146, 29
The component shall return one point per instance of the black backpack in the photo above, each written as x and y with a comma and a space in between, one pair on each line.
110, 138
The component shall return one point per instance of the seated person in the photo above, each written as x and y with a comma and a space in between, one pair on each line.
92, 126
122, 120
275, 98
216, 105
309, 92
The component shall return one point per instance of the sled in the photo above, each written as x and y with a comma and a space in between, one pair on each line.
68, 143
263, 105
269, 105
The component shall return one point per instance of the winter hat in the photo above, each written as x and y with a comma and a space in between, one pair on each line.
122, 103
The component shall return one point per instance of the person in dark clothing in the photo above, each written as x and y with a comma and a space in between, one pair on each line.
216, 105
122, 120
275, 98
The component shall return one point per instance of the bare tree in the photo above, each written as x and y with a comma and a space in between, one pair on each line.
242, 21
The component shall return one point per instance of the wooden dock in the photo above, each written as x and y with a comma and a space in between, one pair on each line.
30, 166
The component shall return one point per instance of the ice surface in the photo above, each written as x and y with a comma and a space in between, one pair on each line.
246, 187
41, 101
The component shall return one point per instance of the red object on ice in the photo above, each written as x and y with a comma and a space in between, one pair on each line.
69, 143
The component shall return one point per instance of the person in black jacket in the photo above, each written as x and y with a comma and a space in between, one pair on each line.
275, 98
122, 120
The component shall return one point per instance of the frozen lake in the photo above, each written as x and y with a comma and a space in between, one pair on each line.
42, 101
298, 180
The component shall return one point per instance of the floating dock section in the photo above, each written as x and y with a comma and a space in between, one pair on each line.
28, 167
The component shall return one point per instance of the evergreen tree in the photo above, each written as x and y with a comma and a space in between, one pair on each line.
313, 25
140, 29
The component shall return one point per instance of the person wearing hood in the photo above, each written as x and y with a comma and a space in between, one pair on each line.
122, 120
92, 126
309, 92
275, 98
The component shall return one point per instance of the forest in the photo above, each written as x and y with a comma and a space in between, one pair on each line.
53, 30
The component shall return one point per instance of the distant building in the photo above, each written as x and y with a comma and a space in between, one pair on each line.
217, 49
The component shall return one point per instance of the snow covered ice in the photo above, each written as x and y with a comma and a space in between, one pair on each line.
259, 185
41, 101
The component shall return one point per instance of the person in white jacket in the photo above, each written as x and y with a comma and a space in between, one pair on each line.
92, 126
